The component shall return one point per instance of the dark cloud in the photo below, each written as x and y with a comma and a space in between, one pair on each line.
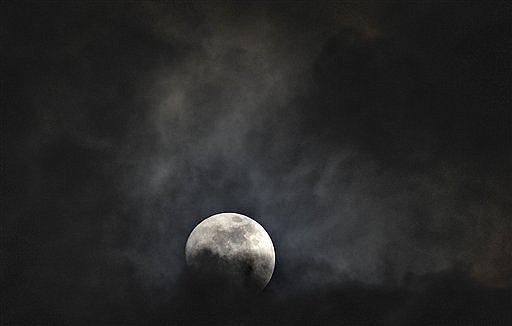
372, 141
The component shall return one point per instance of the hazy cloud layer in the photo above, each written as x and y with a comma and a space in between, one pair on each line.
371, 141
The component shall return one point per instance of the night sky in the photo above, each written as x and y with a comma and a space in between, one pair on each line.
372, 140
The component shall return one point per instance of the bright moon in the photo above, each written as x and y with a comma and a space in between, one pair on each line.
231, 252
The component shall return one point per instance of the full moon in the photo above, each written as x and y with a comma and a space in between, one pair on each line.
231, 252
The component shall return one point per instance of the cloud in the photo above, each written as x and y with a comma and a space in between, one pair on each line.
369, 140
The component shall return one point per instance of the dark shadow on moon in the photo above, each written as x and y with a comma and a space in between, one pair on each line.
234, 275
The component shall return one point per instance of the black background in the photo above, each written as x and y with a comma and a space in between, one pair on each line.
371, 139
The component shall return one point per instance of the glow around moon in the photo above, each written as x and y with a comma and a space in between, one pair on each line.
231, 251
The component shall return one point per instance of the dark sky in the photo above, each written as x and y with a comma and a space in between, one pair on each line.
373, 141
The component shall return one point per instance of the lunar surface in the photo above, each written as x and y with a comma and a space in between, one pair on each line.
231, 252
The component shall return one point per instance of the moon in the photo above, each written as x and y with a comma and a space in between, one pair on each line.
231, 252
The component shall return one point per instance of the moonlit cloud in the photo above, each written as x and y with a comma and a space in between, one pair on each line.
370, 140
